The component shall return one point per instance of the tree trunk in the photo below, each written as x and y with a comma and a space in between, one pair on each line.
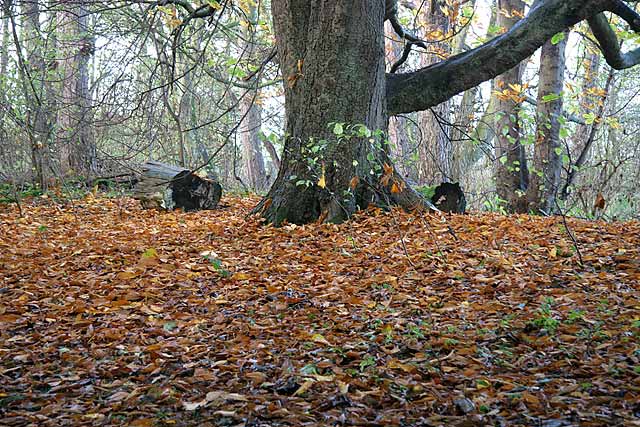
511, 162
435, 147
251, 115
331, 53
75, 48
586, 146
249, 132
545, 176
332, 59
34, 71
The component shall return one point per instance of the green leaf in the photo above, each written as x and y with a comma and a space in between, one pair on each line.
551, 97
557, 38
150, 253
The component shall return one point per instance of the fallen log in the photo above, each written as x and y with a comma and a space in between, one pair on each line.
163, 186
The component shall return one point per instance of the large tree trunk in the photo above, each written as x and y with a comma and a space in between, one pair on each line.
545, 176
511, 183
331, 53
332, 59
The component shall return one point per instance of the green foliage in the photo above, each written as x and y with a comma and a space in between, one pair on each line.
427, 191
496, 204
8, 192
557, 38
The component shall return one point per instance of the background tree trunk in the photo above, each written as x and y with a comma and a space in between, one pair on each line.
436, 152
34, 79
511, 183
74, 129
545, 176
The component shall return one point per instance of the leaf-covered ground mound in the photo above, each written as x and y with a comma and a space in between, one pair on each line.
111, 315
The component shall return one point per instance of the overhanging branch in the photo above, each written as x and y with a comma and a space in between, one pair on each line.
609, 45
417, 91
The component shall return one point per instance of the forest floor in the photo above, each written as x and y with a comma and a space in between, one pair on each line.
111, 315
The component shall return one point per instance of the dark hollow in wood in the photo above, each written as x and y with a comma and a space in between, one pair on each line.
449, 197
168, 187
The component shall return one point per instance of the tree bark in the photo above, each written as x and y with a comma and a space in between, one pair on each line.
74, 133
162, 186
435, 145
332, 59
545, 177
510, 153
417, 91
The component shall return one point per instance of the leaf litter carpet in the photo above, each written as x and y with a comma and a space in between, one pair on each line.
112, 315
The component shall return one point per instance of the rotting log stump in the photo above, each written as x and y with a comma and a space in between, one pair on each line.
168, 187
449, 197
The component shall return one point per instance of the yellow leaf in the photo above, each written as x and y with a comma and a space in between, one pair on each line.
320, 339
125, 275
321, 182
304, 387
241, 276
480, 384
394, 188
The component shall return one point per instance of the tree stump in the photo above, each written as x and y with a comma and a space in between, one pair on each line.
449, 197
168, 187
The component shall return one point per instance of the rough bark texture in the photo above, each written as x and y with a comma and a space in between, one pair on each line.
510, 153
331, 56
545, 176
332, 59
163, 186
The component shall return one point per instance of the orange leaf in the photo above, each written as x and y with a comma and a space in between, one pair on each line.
354, 182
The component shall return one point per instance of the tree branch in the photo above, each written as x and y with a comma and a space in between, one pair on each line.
625, 12
609, 45
427, 87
